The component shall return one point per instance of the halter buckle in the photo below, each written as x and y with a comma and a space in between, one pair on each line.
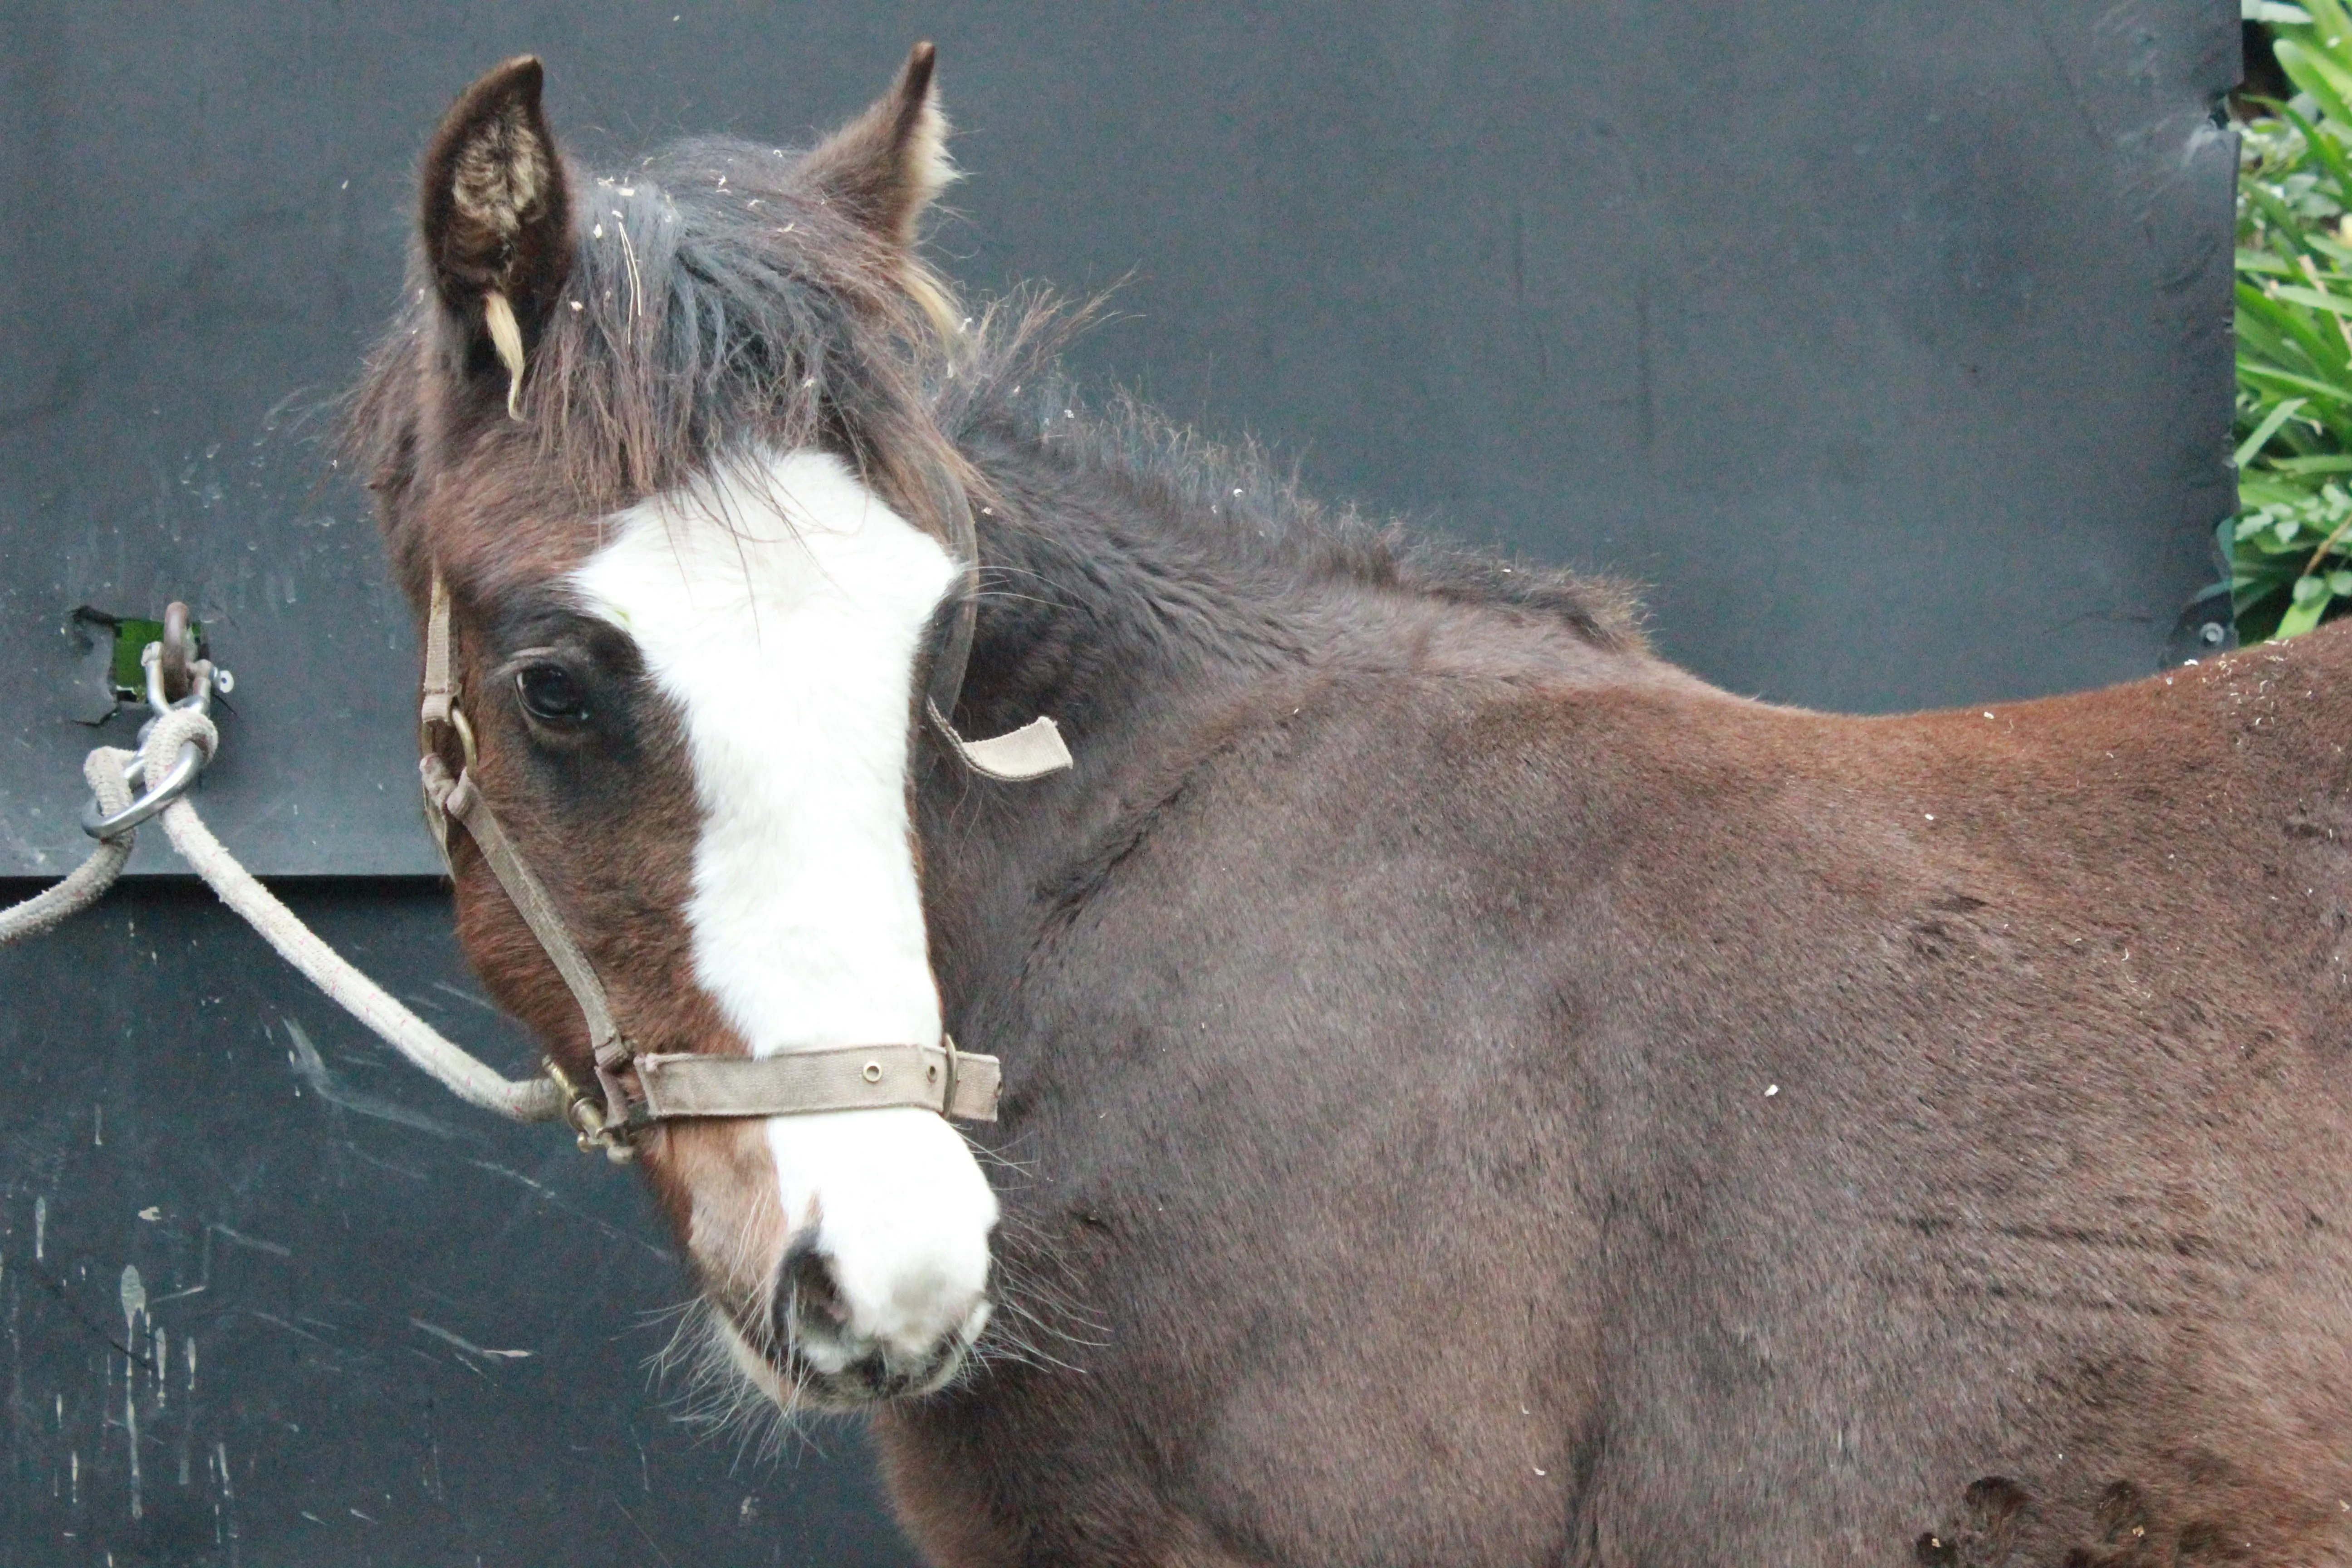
593, 1128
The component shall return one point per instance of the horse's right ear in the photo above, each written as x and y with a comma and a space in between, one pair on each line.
498, 219
890, 162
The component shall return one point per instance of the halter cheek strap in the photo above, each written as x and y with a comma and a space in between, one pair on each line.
677, 1086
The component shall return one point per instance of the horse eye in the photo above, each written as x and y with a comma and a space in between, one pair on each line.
548, 692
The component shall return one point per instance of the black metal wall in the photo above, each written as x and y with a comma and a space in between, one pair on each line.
1889, 342
377, 1328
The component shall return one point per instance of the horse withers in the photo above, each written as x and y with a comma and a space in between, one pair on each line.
1474, 1094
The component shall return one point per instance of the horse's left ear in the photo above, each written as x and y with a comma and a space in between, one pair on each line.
888, 165
497, 218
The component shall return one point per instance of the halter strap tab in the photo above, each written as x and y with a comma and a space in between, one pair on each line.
1029, 752
440, 687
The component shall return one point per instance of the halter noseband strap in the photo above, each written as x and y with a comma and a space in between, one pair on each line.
677, 1086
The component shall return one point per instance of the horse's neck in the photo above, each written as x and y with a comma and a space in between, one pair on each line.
1120, 614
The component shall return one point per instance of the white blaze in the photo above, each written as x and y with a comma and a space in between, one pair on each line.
784, 612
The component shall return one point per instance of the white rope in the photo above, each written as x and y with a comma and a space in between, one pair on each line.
89, 881
472, 1081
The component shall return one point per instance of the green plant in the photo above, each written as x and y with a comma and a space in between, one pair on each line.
2290, 547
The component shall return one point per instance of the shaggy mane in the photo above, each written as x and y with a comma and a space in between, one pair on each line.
1005, 382
715, 305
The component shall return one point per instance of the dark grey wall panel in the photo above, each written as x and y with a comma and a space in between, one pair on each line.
412, 1334
1888, 342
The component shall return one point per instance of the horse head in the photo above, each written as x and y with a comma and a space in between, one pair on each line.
657, 444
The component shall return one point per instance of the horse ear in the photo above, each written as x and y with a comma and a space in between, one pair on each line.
498, 216
888, 165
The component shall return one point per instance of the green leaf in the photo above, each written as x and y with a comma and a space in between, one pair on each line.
2254, 301
2280, 331
2328, 83
2286, 379
2273, 11
2323, 145
2266, 429
2338, 463
2300, 617
2335, 304
2313, 74
2329, 18
2336, 250
2260, 487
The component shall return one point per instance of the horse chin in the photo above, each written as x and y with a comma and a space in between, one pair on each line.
872, 1381
841, 1379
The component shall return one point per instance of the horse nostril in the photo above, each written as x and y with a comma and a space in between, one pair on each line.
806, 1293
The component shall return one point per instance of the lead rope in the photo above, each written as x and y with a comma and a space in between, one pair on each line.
89, 881
109, 771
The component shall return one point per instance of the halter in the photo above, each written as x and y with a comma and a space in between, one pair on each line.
677, 1086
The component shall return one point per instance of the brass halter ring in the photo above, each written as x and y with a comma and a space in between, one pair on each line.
585, 1114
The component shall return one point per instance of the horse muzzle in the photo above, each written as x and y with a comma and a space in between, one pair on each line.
833, 1361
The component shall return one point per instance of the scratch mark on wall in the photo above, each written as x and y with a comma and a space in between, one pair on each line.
313, 1071
275, 1322
351, 1147
433, 1453
555, 1200
275, 1248
40, 1230
484, 1003
649, 1540
644, 1471
204, 1270
469, 1346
